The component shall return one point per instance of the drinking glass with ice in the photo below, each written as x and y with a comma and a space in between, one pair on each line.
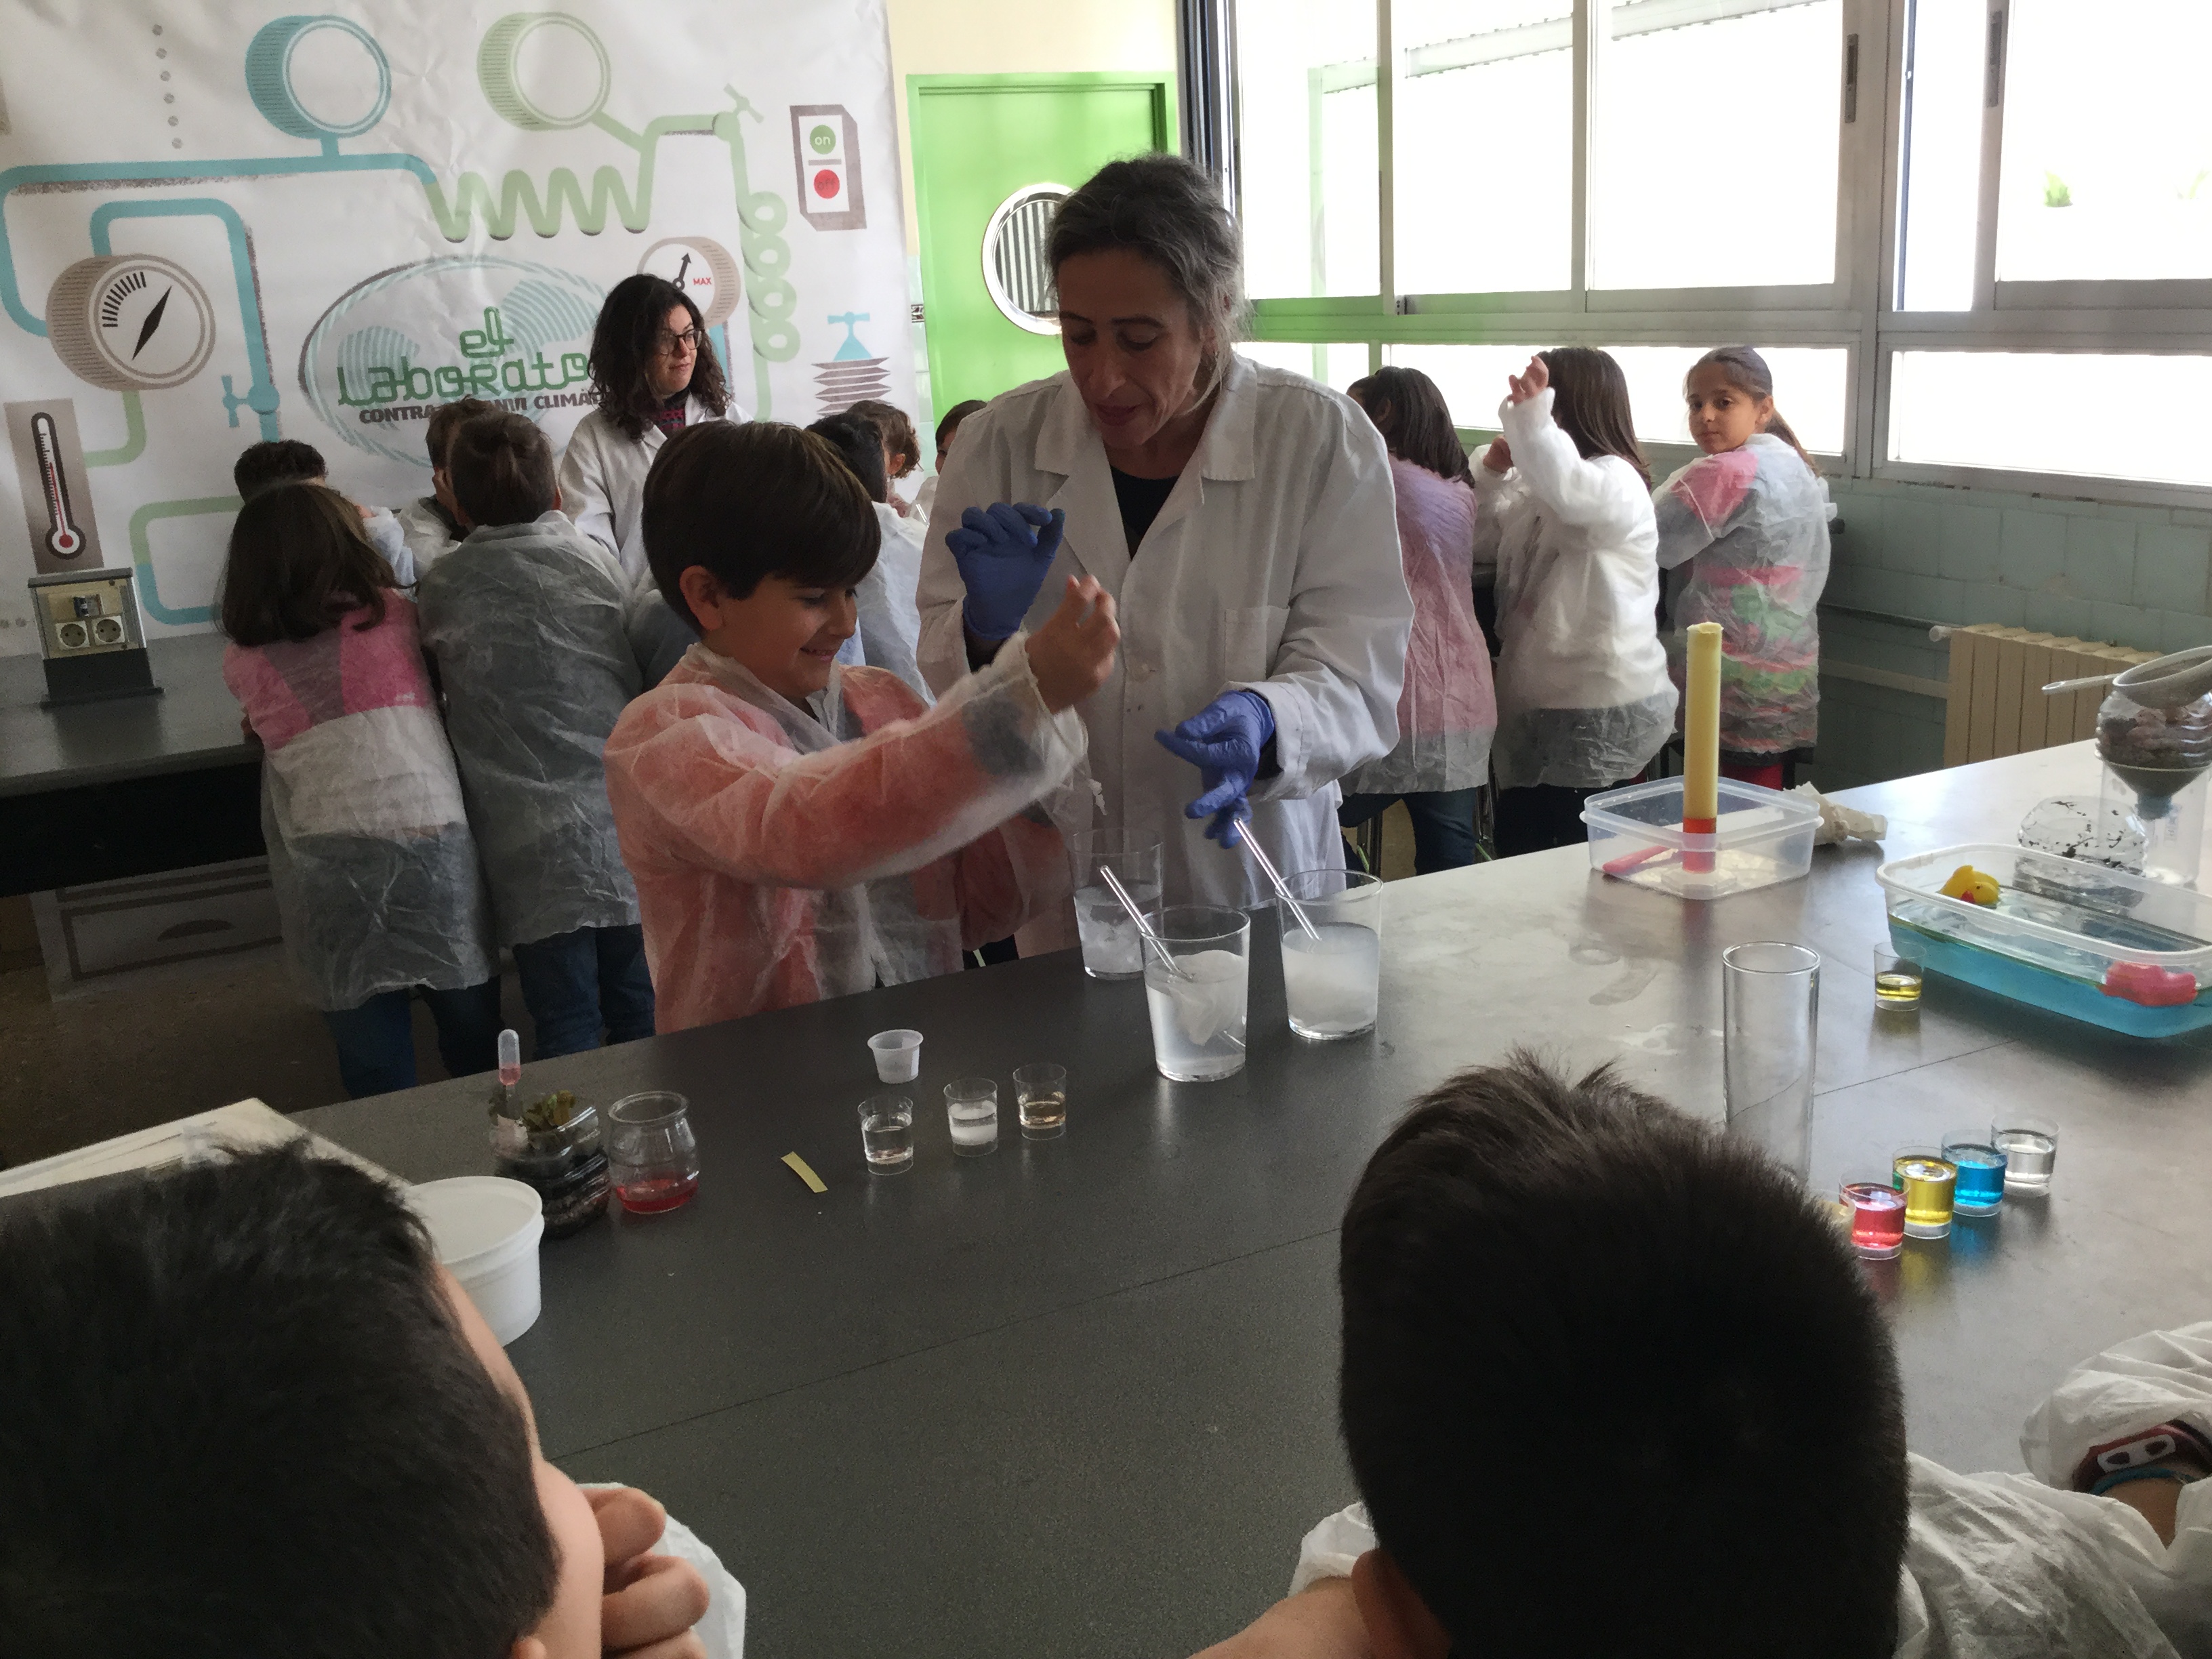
1331, 973
1111, 947
1197, 996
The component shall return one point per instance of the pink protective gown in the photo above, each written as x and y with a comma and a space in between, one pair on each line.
786, 853
1447, 712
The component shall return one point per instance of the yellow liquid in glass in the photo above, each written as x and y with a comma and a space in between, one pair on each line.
1896, 988
1928, 1184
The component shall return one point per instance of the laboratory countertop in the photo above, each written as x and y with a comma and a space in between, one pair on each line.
1079, 1396
192, 726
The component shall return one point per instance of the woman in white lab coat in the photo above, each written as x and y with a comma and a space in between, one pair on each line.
652, 375
1242, 517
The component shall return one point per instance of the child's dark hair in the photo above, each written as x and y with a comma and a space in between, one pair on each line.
1584, 1332
298, 563
624, 342
1746, 371
855, 439
1413, 419
242, 1420
445, 420
1591, 403
748, 502
894, 429
280, 460
953, 416
500, 469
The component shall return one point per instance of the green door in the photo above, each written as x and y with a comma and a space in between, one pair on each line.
992, 156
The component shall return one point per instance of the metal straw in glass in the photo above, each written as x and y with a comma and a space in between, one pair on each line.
1143, 928
1267, 867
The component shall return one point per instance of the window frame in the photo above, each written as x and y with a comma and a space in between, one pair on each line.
1857, 311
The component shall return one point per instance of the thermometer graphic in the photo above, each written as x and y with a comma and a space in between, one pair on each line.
63, 539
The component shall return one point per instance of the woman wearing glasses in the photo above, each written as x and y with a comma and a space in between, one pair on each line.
652, 375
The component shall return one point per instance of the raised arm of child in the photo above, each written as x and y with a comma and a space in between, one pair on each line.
1602, 496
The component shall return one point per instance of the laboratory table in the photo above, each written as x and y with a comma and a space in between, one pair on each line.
1077, 1397
131, 786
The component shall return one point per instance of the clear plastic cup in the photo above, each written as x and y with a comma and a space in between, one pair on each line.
2030, 1148
898, 1055
1111, 947
1197, 1009
1041, 1094
651, 1151
1979, 1189
887, 1133
1928, 1181
1896, 980
971, 1109
1331, 983
1876, 1210
1770, 1017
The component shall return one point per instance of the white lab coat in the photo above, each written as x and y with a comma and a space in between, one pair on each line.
1273, 567
603, 479
2002, 1566
1583, 700
890, 622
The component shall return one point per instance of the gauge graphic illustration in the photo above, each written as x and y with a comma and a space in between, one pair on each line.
825, 144
705, 271
130, 322
508, 56
50, 472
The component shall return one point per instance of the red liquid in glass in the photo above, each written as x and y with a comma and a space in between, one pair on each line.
661, 1193
1877, 1216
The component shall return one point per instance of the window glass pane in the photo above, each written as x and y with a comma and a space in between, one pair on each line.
2107, 151
1716, 158
1336, 365
2023, 410
1939, 178
1483, 144
1471, 377
1306, 148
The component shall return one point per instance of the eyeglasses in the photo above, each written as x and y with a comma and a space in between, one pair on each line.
675, 345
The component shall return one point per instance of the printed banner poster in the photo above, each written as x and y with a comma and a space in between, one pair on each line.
220, 222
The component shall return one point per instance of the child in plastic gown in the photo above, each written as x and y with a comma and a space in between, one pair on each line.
1746, 526
791, 843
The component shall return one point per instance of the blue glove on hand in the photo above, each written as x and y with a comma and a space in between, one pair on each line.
1003, 551
1223, 740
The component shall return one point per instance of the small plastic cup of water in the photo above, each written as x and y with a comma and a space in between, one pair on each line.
2030, 1148
1330, 982
1896, 979
1198, 1008
898, 1055
887, 1133
1979, 1189
1929, 1181
1877, 1214
1111, 947
1041, 1092
971, 1109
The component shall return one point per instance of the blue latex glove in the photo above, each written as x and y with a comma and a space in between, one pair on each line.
1003, 551
1223, 740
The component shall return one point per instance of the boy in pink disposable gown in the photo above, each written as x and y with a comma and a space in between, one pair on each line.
799, 829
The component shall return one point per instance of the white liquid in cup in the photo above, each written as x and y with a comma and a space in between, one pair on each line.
1330, 981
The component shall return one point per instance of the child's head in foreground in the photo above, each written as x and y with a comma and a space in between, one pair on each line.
437, 437
757, 535
500, 469
298, 562
275, 461
1611, 1385
249, 1416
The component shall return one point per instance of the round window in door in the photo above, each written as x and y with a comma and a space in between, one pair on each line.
1016, 272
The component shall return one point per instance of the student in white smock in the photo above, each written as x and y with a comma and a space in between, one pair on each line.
1242, 517
652, 375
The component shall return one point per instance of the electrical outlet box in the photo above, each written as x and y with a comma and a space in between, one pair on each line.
91, 636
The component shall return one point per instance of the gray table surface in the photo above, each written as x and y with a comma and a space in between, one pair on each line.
1078, 1396
193, 725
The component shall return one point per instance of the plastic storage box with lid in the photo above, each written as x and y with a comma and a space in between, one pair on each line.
1760, 837
2094, 943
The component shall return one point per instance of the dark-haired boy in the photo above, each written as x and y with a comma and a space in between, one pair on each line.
926, 497
525, 621
250, 1418
1612, 1385
276, 461
431, 524
890, 621
798, 830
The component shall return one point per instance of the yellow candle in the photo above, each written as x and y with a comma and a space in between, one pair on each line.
1701, 729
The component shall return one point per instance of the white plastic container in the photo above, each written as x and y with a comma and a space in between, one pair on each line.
898, 1055
485, 1230
1760, 837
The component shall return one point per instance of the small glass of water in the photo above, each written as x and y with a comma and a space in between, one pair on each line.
1198, 1008
1877, 1214
887, 1133
2030, 1145
1981, 1166
1330, 981
1896, 979
1111, 948
1928, 1180
971, 1107
652, 1152
1041, 1091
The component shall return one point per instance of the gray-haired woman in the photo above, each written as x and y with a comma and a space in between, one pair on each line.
1242, 517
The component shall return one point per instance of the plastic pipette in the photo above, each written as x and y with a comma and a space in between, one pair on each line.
1267, 867
510, 1059
1143, 928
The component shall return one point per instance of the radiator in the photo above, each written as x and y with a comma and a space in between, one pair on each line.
1996, 703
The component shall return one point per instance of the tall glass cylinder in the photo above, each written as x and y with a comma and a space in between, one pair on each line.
1769, 1015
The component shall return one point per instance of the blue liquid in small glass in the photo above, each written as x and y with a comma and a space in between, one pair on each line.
1980, 1190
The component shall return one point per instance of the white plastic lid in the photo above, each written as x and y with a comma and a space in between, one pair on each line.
477, 1220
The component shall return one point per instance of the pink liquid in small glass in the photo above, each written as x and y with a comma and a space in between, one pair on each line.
1877, 1217
657, 1194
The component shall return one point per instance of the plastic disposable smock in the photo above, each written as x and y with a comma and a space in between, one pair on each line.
2017, 1566
525, 623
1751, 526
1583, 700
1448, 712
374, 870
603, 479
787, 854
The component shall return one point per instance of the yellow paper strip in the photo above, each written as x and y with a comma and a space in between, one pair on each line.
1701, 724
804, 1171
